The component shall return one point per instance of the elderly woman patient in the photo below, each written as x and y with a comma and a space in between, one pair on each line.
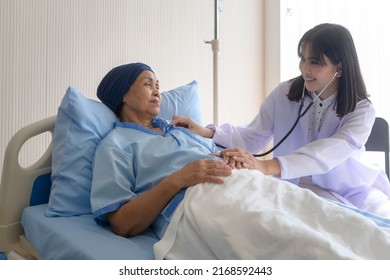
144, 163
145, 169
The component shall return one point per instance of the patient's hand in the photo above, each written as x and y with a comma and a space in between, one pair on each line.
192, 125
240, 158
200, 171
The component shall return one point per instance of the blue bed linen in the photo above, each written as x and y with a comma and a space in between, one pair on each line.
378, 220
79, 237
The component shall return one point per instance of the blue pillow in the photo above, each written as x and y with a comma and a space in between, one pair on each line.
80, 125
184, 101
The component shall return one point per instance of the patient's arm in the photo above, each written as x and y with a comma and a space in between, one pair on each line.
192, 126
145, 208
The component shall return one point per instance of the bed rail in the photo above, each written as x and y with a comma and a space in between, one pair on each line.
17, 181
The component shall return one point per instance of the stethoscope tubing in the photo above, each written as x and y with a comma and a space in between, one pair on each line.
299, 116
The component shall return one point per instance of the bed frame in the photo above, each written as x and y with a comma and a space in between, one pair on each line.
19, 185
24, 193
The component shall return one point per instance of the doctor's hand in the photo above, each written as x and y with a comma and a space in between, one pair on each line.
192, 125
240, 158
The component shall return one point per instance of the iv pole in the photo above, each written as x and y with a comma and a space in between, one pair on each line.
215, 48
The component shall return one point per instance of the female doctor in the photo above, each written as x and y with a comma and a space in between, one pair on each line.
324, 146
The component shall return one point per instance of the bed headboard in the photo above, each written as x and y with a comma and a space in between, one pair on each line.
17, 181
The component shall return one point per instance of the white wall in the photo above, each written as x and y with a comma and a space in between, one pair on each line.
272, 38
47, 45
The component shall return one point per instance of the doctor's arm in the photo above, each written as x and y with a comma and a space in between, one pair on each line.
317, 157
322, 155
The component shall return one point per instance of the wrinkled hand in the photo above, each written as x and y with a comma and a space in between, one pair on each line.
238, 158
201, 171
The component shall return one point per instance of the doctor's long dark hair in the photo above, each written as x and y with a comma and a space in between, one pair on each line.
335, 42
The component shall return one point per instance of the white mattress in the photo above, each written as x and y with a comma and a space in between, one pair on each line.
79, 237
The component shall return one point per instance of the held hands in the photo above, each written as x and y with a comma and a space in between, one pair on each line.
240, 158
192, 125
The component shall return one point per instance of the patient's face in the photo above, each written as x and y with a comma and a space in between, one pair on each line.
143, 99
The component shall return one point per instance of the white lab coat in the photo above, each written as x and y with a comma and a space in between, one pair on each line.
332, 160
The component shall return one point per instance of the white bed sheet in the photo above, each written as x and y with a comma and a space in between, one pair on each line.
79, 238
252, 216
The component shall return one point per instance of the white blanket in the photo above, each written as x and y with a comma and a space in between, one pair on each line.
252, 216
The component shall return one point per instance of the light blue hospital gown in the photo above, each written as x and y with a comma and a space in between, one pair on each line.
132, 159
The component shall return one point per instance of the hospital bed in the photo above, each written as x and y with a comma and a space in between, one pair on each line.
44, 208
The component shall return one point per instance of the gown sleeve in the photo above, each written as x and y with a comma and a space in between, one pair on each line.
111, 182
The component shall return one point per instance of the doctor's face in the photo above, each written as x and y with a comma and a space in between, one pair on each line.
318, 72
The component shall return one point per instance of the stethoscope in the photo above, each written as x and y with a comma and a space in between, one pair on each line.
300, 115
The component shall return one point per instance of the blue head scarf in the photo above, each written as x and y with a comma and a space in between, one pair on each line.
117, 82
